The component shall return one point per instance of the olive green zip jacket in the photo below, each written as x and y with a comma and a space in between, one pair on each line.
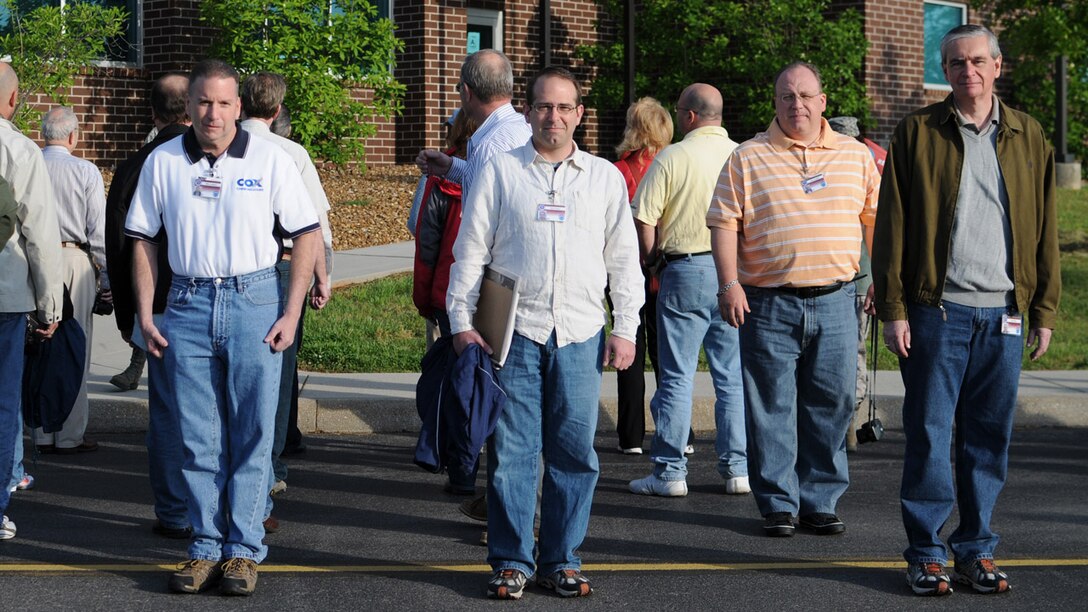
917, 208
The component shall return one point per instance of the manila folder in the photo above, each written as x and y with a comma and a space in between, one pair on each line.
495, 310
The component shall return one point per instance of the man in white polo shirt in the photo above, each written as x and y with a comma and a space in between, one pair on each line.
224, 203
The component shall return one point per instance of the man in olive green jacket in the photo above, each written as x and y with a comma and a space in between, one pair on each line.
965, 245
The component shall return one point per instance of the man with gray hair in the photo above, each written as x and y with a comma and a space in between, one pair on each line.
30, 278
966, 245
486, 88
81, 207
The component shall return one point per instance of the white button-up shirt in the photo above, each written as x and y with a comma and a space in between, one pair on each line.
30, 276
81, 200
563, 267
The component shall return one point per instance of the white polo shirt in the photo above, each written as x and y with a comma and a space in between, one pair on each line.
261, 200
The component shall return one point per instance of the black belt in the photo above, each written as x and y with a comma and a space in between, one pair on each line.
809, 292
685, 255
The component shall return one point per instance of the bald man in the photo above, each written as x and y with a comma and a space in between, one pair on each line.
671, 203
30, 271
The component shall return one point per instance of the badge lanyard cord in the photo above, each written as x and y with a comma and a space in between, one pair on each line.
874, 328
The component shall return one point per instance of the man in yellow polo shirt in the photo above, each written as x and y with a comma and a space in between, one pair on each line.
786, 225
671, 203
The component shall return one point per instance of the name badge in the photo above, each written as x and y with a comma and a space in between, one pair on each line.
1012, 325
813, 183
553, 212
207, 187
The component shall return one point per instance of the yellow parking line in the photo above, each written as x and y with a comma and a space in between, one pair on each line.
819, 564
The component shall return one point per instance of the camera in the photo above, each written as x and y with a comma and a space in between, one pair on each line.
872, 431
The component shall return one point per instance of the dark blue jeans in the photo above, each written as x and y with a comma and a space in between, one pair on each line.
962, 371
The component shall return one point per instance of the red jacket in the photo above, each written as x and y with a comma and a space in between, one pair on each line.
633, 165
436, 230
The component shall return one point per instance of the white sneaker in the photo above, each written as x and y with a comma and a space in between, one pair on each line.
634, 450
652, 485
737, 485
278, 488
689, 450
7, 529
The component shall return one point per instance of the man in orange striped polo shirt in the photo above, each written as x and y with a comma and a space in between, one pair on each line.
786, 226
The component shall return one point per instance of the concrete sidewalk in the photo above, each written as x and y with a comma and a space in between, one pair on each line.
366, 403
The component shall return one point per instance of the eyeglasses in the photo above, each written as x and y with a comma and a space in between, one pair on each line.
790, 98
543, 108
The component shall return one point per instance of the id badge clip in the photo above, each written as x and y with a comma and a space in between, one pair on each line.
813, 183
1012, 325
553, 212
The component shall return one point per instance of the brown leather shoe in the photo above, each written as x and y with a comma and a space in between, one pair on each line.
271, 525
88, 446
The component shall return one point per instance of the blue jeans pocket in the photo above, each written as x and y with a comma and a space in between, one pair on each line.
263, 292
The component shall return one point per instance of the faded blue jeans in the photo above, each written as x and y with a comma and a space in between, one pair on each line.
799, 357
164, 452
961, 370
687, 318
551, 408
226, 385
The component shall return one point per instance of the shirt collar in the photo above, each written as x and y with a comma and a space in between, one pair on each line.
255, 125
715, 130
237, 147
828, 138
962, 121
497, 117
529, 156
60, 149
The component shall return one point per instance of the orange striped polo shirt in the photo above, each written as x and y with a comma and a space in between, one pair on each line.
787, 237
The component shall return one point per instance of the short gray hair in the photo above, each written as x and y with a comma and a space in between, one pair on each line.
969, 31
58, 123
489, 74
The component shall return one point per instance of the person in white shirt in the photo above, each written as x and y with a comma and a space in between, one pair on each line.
262, 100
81, 208
30, 272
486, 89
222, 200
558, 219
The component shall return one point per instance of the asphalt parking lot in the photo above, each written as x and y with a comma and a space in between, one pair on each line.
364, 529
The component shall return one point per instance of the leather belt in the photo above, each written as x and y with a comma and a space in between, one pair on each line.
685, 255
810, 292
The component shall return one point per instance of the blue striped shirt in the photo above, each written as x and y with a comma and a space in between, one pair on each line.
503, 130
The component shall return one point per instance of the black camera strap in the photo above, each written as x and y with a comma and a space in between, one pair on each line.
874, 347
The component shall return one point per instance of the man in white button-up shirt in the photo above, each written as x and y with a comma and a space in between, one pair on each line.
557, 218
81, 208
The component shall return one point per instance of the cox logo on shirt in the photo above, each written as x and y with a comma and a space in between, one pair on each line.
249, 184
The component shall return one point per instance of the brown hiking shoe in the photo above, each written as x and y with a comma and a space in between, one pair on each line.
195, 575
239, 577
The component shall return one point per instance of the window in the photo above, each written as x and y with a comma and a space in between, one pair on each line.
123, 49
484, 30
940, 17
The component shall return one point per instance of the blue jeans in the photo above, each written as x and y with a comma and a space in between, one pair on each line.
551, 407
165, 455
687, 317
799, 357
17, 470
12, 341
226, 384
962, 371
287, 380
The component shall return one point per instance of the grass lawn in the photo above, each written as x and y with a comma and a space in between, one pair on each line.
374, 327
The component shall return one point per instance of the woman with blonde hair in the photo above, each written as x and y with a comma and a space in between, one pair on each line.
649, 129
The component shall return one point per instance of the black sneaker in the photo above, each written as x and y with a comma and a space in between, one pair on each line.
173, 533
822, 523
928, 579
506, 584
982, 575
778, 525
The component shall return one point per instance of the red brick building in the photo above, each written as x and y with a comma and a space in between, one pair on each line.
111, 101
